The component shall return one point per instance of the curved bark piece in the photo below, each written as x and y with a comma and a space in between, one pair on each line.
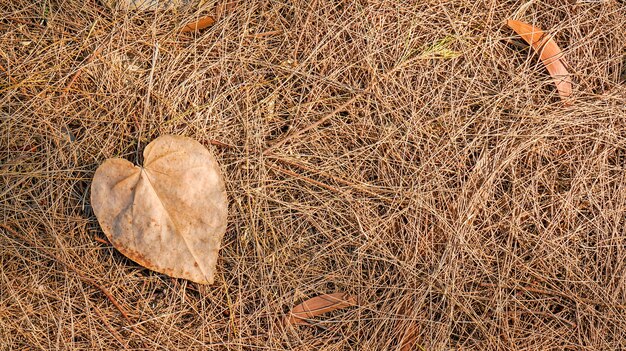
549, 53
168, 216
319, 305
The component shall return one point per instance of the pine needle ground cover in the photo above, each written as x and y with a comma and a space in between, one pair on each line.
412, 157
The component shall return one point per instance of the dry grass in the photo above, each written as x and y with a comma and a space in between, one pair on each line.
446, 186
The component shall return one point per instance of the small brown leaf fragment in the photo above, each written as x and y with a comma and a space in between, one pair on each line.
409, 337
549, 53
319, 305
201, 23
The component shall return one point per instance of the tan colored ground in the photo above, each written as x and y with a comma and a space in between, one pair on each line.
447, 187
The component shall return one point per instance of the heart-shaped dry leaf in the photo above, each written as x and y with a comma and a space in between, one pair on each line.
168, 216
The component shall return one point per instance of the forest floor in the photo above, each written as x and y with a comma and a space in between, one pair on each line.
415, 156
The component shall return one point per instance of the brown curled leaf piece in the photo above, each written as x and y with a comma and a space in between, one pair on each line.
319, 305
549, 53
201, 23
169, 215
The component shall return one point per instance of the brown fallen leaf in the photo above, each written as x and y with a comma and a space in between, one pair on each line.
549, 53
170, 214
319, 305
198, 25
409, 337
